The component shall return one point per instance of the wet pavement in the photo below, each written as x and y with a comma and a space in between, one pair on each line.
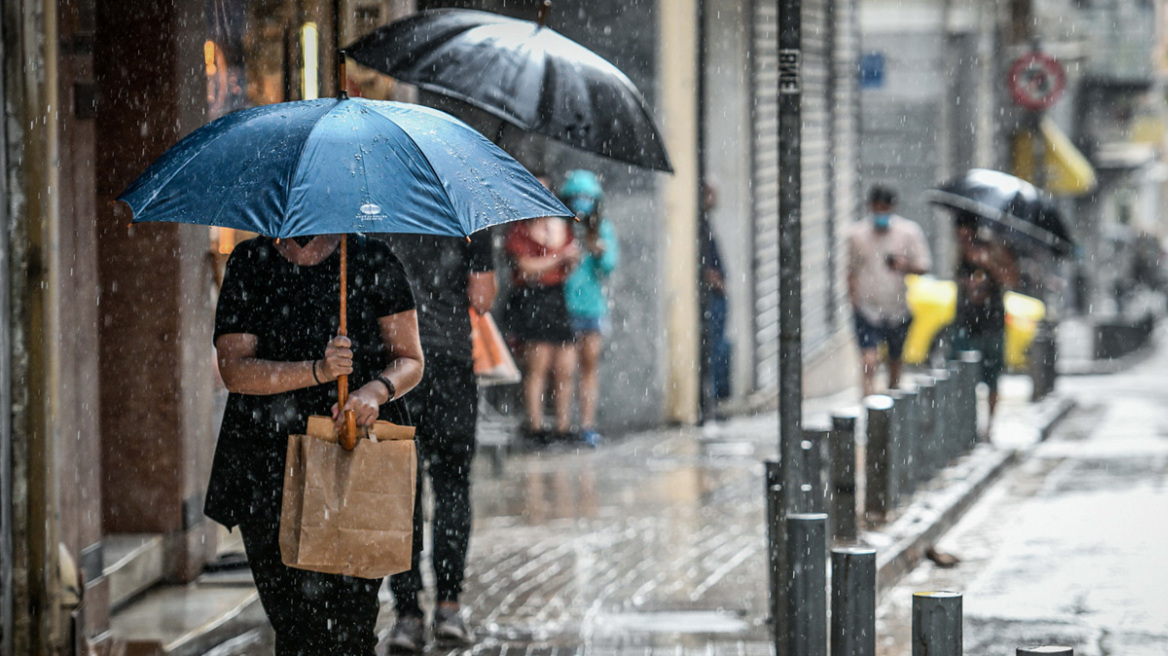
1071, 547
653, 543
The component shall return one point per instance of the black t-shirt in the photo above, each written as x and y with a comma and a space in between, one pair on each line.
293, 311
988, 312
438, 268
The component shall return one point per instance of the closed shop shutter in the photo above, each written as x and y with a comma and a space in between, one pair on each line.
848, 197
830, 180
765, 185
818, 281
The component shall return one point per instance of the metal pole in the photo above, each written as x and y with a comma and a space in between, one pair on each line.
936, 624
926, 420
842, 490
853, 601
943, 429
1046, 650
971, 367
906, 442
812, 491
790, 276
876, 457
807, 603
776, 542
894, 461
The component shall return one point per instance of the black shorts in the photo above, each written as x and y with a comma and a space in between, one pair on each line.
539, 314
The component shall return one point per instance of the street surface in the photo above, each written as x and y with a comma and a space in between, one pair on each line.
1071, 547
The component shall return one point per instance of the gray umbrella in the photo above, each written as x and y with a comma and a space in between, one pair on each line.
523, 73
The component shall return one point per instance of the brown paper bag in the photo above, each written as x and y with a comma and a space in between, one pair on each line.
349, 512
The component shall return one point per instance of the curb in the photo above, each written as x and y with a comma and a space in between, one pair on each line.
922, 525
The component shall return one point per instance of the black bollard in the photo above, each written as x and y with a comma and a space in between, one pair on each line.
943, 428
971, 377
926, 425
813, 490
936, 624
907, 439
853, 601
807, 604
876, 501
776, 545
1041, 359
842, 489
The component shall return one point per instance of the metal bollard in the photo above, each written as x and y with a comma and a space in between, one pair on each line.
971, 370
853, 601
842, 487
776, 545
807, 604
876, 503
926, 421
1042, 356
936, 624
1046, 650
813, 491
895, 459
943, 428
906, 442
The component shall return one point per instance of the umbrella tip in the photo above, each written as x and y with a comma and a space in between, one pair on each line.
544, 8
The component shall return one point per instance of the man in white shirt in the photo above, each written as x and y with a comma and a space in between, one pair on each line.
882, 248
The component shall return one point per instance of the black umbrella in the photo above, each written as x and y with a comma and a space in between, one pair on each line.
1008, 205
525, 74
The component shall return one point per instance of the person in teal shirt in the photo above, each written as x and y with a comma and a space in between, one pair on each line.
584, 290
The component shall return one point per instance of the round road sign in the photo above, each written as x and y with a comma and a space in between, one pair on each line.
1036, 81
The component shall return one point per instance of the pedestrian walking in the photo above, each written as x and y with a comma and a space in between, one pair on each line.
715, 348
986, 268
588, 304
276, 328
451, 277
543, 253
882, 249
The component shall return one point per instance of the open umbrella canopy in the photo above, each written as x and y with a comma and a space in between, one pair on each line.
338, 166
1008, 205
523, 73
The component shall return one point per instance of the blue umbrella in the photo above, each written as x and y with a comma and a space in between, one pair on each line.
338, 166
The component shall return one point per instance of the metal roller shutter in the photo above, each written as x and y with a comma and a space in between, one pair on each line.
765, 185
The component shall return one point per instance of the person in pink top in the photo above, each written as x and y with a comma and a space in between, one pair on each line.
543, 252
882, 248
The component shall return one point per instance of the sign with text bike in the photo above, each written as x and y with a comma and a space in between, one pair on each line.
1036, 81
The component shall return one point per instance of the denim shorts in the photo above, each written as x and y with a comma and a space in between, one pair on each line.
584, 325
870, 335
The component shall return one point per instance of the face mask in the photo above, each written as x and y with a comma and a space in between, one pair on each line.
881, 221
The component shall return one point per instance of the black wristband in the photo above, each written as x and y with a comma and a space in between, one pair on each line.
314, 373
388, 386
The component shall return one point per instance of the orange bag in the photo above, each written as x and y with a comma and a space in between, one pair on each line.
493, 364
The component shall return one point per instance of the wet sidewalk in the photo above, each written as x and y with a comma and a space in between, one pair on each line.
656, 541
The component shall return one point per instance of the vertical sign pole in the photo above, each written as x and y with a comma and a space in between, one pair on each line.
790, 291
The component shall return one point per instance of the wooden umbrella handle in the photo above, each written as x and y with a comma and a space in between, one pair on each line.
349, 433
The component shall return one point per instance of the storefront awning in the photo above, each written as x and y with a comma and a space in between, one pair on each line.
1067, 171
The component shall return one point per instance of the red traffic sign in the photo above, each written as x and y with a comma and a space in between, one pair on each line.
1036, 81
